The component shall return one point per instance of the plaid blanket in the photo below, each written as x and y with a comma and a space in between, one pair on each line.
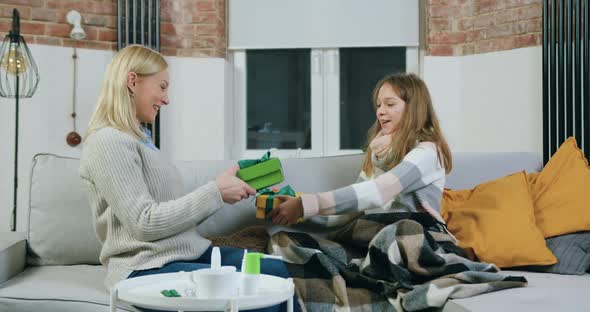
384, 262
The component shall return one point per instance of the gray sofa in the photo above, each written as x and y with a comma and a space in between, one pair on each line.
51, 264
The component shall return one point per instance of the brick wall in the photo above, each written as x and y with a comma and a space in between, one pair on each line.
188, 27
44, 21
196, 28
193, 28
462, 27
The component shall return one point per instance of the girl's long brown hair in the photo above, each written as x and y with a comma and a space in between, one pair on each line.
418, 123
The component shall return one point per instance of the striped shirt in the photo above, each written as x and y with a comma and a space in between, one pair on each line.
415, 184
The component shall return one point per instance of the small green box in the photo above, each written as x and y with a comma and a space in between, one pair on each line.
263, 174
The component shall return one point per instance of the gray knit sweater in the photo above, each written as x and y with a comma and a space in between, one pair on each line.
141, 215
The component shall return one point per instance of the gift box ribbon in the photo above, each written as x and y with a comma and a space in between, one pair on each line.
245, 163
285, 190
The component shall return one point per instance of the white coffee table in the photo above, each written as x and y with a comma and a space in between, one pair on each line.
145, 292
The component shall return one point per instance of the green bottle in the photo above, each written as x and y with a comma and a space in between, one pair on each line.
251, 273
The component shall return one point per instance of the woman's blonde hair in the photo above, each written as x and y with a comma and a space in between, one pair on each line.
418, 123
115, 106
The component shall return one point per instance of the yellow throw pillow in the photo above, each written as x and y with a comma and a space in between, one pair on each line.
561, 192
496, 220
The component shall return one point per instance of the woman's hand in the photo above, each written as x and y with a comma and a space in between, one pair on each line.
288, 212
233, 189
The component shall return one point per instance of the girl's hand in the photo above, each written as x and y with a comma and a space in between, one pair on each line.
288, 212
233, 189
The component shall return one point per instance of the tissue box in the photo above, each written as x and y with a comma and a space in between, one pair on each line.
263, 174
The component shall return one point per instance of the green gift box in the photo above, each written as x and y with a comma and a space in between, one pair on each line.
261, 173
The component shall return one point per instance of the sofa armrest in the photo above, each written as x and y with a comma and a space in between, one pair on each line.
13, 248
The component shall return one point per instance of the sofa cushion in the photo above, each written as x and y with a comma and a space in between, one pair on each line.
545, 292
13, 246
496, 220
572, 251
57, 289
560, 192
471, 169
60, 224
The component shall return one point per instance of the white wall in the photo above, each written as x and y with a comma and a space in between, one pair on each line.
45, 118
489, 102
443, 78
503, 101
192, 125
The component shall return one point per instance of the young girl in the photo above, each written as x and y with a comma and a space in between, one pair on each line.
406, 163
143, 219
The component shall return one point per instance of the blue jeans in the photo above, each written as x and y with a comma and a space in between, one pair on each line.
229, 256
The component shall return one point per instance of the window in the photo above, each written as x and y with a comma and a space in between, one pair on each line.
278, 101
310, 102
360, 70
304, 71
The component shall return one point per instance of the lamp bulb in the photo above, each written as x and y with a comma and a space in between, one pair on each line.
15, 62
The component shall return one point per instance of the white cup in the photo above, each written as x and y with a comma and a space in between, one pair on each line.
216, 283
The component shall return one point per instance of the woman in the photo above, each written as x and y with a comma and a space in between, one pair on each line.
407, 159
145, 222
